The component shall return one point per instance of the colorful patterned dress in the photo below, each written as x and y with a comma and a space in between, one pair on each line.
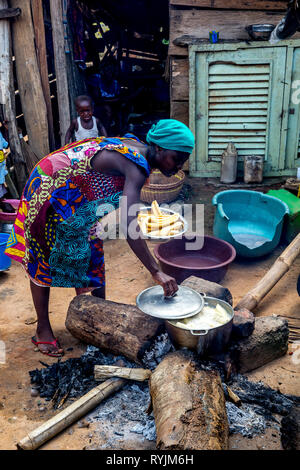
63, 200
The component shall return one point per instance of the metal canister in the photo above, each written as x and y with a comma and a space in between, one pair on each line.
253, 168
229, 164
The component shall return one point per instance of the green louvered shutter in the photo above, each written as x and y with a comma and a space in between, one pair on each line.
236, 96
238, 108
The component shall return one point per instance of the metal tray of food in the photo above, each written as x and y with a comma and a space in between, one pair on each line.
147, 209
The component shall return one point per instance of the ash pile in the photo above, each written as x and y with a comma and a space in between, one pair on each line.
259, 407
197, 403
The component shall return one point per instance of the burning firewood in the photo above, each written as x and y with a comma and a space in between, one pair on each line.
189, 405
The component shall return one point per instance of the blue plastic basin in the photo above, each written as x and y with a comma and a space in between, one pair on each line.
251, 221
5, 261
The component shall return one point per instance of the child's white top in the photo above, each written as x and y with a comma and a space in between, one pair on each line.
82, 133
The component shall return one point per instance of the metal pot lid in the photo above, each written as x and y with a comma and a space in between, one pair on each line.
185, 303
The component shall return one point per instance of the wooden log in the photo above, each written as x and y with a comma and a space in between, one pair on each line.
290, 430
268, 342
60, 67
29, 80
40, 42
211, 289
104, 372
7, 101
6, 13
275, 273
234, 4
230, 24
114, 327
189, 405
69, 415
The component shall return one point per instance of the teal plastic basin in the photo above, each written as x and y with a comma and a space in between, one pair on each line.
251, 221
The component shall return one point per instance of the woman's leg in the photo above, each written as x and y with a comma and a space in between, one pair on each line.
40, 297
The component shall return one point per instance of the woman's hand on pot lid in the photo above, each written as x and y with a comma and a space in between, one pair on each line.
168, 283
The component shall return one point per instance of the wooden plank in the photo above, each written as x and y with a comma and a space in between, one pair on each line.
180, 79
29, 80
242, 85
237, 112
40, 42
60, 67
237, 78
238, 119
9, 13
7, 101
237, 139
239, 145
102, 372
238, 126
235, 133
237, 70
294, 119
180, 111
231, 24
240, 92
241, 152
242, 99
238, 106
233, 4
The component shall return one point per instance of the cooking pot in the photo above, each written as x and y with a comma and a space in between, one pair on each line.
204, 342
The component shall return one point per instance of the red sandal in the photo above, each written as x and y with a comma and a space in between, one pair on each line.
53, 343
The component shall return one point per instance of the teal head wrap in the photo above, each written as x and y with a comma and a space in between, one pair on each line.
172, 135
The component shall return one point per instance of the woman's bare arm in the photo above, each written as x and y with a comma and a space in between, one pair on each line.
134, 180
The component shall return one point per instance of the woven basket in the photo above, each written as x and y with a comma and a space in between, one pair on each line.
162, 188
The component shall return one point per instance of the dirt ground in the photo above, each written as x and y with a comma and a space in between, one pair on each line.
126, 277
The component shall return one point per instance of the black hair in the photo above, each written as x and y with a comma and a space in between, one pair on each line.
81, 98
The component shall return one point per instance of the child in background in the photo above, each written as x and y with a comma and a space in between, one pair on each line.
86, 126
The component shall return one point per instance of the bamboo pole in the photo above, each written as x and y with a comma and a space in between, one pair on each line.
103, 372
72, 413
60, 67
275, 273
